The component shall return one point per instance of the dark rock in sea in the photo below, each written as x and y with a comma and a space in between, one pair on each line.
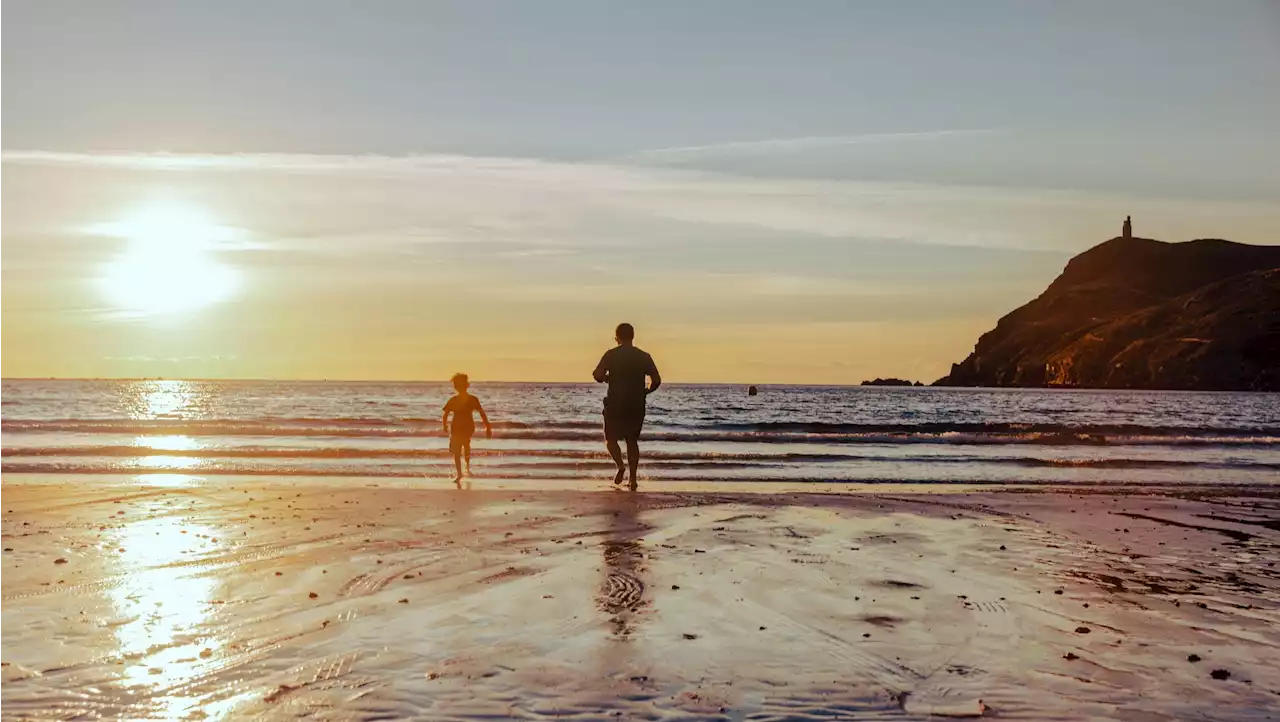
890, 382
1143, 314
752, 391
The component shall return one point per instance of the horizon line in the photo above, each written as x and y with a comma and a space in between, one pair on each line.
7, 379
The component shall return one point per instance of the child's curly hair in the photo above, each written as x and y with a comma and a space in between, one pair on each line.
459, 381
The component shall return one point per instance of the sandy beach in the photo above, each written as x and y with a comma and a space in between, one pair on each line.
275, 599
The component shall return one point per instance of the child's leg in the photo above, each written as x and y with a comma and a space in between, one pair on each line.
466, 450
455, 446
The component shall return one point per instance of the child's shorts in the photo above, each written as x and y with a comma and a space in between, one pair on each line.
458, 443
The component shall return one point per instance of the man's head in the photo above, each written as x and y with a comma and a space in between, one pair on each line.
625, 334
460, 382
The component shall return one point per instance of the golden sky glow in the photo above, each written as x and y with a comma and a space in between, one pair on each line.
417, 267
769, 195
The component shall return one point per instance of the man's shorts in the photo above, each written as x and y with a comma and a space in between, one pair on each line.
458, 442
623, 421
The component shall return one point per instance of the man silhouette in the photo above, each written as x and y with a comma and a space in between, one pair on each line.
624, 368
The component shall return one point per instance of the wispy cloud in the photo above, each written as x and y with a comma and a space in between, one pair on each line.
305, 162
362, 203
773, 145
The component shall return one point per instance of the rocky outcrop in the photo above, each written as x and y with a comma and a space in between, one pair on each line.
890, 382
1140, 313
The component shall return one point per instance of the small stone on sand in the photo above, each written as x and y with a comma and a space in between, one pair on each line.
1082, 630
1193, 658
59, 560
1220, 674
313, 595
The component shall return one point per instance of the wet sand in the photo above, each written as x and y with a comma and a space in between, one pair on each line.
271, 599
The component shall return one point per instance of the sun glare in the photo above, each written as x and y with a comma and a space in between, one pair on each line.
169, 264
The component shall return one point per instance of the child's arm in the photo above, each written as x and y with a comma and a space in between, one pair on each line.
488, 430
444, 419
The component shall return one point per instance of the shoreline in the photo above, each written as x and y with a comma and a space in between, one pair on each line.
195, 601
175, 480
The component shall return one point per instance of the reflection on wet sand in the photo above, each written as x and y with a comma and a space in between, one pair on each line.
622, 591
163, 606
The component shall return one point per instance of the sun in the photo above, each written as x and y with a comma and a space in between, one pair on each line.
168, 266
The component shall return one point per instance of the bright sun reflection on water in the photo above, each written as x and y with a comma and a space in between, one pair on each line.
167, 461
168, 266
167, 443
162, 400
163, 605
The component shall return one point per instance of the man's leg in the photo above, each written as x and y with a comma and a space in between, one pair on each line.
633, 457
615, 451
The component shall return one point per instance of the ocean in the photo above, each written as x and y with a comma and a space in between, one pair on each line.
546, 432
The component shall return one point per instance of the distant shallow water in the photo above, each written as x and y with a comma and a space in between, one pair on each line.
794, 434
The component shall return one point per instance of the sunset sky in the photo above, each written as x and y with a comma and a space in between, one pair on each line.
796, 192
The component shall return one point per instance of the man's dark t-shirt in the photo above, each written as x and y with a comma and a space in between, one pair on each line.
627, 367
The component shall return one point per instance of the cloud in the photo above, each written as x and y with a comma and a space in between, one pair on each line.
659, 155
398, 204
262, 161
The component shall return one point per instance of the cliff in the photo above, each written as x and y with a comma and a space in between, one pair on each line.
1140, 313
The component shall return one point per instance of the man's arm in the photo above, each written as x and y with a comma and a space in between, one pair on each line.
655, 379
488, 429
602, 372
